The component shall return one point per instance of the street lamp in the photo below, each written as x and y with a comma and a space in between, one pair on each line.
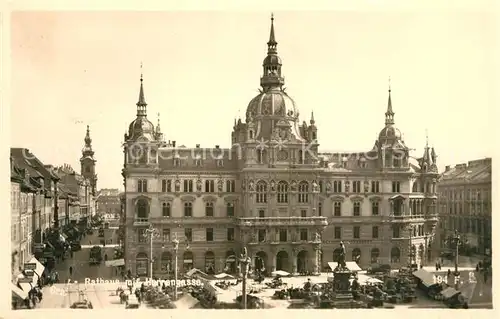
411, 252
150, 232
457, 241
176, 249
244, 261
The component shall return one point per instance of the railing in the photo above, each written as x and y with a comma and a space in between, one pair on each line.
141, 221
404, 217
283, 221
280, 242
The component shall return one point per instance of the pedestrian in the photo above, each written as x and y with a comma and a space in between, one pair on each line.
70, 270
449, 273
437, 266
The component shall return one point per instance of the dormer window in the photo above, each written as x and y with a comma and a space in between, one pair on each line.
197, 162
362, 162
220, 162
250, 134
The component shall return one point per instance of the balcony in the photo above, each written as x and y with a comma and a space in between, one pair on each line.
192, 220
404, 218
282, 221
141, 222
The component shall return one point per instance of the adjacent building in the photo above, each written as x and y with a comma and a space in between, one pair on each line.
274, 192
108, 202
465, 206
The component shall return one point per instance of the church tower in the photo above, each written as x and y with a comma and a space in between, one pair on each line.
87, 162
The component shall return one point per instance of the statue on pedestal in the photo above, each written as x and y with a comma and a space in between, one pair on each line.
341, 265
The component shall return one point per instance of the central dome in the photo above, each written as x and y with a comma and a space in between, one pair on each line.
272, 103
141, 126
390, 132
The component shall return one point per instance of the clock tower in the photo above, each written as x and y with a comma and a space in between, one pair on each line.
88, 163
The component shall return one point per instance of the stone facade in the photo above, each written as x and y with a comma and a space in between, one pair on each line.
274, 192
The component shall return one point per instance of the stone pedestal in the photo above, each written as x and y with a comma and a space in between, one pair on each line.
342, 296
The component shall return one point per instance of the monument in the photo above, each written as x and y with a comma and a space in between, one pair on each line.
342, 296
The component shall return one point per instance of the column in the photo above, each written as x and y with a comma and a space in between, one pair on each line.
294, 261
273, 260
316, 267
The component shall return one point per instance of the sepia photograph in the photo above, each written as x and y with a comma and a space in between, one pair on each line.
251, 159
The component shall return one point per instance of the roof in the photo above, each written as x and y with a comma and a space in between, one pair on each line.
478, 171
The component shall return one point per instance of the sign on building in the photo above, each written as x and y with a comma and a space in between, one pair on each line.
30, 266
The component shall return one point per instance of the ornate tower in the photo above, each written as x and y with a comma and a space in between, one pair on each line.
87, 162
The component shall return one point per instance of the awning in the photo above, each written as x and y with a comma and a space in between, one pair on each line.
18, 292
39, 269
364, 279
115, 263
449, 292
224, 276
26, 283
280, 273
426, 277
196, 271
351, 265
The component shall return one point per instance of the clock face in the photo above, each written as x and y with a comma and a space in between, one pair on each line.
282, 155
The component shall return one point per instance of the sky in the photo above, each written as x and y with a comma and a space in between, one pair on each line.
201, 69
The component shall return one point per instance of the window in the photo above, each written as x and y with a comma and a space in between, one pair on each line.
356, 187
177, 162
188, 233
282, 192
396, 187
320, 209
283, 235
374, 231
141, 235
337, 232
303, 213
142, 208
142, 186
337, 186
356, 231
337, 208
260, 155
209, 234
197, 162
357, 209
375, 208
188, 186
209, 186
209, 209
230, 234
320, 183
166, 235
220, 162
301, 157
262, 213
262, 235
230, 210
395, 232
375, 187
188, 209
164, 185
303, 235
169, 186
230, 186
261, 192
303, 192
165, 209
396, 161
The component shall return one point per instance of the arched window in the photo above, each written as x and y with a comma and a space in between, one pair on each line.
356, 255
230, 210
166, 262
261, 155
303, 192
209, 209
320, 209
415, 187
188, 209
301, 157
282, 192
188, 261
375, 253
320, 183
395, 255
261, 192
142, 208
141, 264
166, 209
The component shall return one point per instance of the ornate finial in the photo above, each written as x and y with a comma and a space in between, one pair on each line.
389, 84
272, 17
312, 121
141, 71
426, 138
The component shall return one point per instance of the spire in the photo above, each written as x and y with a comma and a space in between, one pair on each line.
141, 104
312, 121
158, 130
272, 79
88, 140
271, 44
87, 148
389, 114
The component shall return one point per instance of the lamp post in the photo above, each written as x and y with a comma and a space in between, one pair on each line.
150, 232
410, 255
175, 242
244, 261
457, 241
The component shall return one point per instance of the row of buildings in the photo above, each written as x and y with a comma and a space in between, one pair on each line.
49, 205
275, 192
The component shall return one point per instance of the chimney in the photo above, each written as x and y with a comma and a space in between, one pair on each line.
173, 143
217, 146
447, 168
197, 145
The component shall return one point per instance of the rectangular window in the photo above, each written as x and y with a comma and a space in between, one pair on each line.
320, 209
188, 233
356, 187
303, 235
209, 186
357, 209
166, 235
337, 232
262, 235
396, 187
303, 213
230, 234
262, 213
209, 209
141, 233
210, 234
356, 231
375, 187
337, 186
166, 209
169, 186
230, 186
375, 208
375, 232
164, 185
230, 210
283, 235
337, 208
395, 232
